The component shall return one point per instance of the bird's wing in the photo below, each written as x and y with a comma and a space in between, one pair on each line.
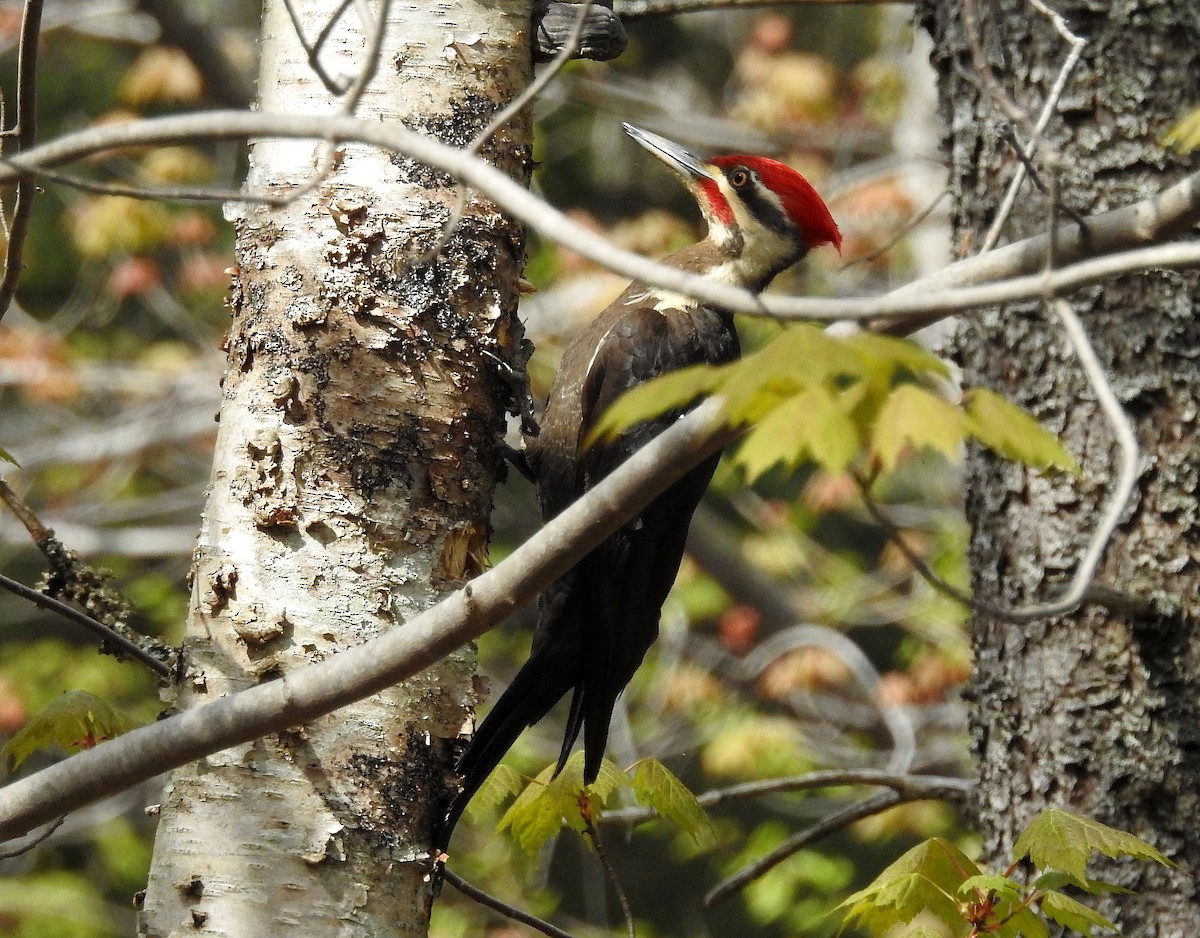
626, 579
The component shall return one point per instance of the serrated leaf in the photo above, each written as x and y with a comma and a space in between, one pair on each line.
1011, 432
655, 786
609, 779
672, 390
1073, 915
76, 720
1018, 923
548, 802
810, 425
1002, 886
900, 353
1185, 135
913, 417
1056, 879
925, 879
538, 812
501, 785
799, 358
924, 931
1060, 840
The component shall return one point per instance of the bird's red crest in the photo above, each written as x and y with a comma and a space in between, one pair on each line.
799, 199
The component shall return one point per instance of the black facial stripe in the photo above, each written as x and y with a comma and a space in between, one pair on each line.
764, 207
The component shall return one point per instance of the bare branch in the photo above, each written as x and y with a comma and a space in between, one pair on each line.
868, 807
919, 786
157, 194
502, 117
499, 905
107, 634
897, 722
1080, 588
636, 9
1027, 152
610, 871
313, 51
1145, 222
1122, 491
32, 842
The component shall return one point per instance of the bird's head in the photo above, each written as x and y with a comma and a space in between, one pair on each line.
762, 215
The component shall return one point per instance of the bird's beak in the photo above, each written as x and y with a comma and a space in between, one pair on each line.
682, 161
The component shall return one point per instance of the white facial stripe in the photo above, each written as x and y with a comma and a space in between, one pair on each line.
762, 246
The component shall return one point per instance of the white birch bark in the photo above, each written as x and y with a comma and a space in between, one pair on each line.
352, 478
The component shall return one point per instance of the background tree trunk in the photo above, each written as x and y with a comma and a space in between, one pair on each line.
1097, 711
353, 473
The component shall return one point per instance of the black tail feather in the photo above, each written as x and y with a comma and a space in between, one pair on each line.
538, 686
574, 722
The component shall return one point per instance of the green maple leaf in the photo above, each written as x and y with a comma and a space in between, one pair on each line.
1060, 840
657, 787
1073, 915
1005, 428
77, 720
925, 881
915, 418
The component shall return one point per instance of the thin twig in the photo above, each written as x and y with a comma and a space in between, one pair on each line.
33, 841
904, 229
26, 135
637, 9
1077, 44
944, 787
164, 194
806, 634
868, 807
106, 633
610, 871
1127, 473
1015, 113
1079, 590
1035, 177
38, 532
1159, 216
313, 52
507, 113
377, 28
499, 905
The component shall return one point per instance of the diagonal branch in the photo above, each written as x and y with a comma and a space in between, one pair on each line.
487, 900
358, 672
108, 635
868, 807
942, 787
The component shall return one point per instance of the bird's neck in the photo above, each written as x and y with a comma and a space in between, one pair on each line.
737, 264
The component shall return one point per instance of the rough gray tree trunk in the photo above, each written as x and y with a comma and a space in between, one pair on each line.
1098, 711
353, 476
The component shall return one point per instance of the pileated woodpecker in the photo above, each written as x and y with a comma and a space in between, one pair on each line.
596, 623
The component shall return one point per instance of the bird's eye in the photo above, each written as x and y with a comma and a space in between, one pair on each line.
739, 177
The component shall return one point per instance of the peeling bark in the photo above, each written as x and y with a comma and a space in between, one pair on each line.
353, 476
1096, 711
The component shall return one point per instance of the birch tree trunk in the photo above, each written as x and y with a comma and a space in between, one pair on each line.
353, 474
1097, 711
